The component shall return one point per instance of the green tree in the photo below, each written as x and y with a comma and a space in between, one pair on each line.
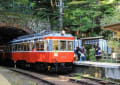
79, 15
111, 18
85, 15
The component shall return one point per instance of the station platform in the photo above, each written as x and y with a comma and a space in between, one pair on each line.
3, 80
97, 64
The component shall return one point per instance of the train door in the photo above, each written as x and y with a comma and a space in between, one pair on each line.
46, 49
41, 48
25, 50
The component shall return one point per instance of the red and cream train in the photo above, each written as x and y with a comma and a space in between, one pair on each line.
43, 52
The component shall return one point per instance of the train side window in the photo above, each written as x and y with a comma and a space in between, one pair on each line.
26, 47
9, 48
55, 45
19, 47
32, 46
41, 46
13, 47
22, 46
16, 47
70, 45
62, 45
37, 45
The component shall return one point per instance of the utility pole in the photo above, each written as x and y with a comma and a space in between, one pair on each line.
13, 4
60, 4
61, 15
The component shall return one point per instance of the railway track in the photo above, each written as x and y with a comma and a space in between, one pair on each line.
56, 79
47, 79
92, 81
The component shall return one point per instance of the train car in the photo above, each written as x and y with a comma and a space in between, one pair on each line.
52, 52
4, 55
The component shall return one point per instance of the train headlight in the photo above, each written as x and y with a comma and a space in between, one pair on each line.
63, 32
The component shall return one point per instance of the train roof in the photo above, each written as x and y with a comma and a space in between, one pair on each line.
38, 35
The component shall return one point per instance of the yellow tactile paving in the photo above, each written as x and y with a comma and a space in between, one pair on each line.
3, 81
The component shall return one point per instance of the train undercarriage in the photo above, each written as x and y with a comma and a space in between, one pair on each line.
50, 67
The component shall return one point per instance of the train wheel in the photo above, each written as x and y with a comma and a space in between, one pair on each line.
23, 64
11, 63
20, 64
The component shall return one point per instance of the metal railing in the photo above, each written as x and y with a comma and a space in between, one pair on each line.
113, 57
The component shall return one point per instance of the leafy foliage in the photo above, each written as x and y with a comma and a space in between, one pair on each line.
85, 15
77, 2
114, 44
111, 19
92, 54
16, 6
25, 2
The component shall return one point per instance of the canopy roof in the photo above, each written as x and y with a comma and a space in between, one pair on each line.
92, 38
113, 27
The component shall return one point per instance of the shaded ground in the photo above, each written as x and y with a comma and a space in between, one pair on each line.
18, 79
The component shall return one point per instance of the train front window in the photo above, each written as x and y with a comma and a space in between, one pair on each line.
70, 45
55, 45
62, 45
46, 45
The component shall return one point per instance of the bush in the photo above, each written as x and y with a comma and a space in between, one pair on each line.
92, 54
